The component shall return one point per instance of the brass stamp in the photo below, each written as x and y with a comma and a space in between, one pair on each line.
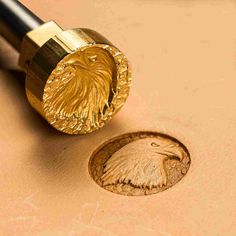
76, 79
140, 163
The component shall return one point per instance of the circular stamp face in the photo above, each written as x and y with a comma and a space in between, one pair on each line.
86, 89
140, 163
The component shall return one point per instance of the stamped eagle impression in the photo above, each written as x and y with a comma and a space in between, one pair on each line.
140, 163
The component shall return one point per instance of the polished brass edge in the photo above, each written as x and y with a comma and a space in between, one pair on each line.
34, 39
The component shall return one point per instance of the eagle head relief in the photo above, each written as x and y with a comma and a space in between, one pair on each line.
83, 84
141, 163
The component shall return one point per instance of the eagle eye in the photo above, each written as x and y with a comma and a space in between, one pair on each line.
155, 145
93, 58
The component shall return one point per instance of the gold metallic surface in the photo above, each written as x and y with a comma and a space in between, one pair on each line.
83, 92
140, 163
76, 79
34, 40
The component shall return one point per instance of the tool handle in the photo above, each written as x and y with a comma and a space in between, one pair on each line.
16, 21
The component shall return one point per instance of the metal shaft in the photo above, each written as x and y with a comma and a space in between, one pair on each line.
15, 21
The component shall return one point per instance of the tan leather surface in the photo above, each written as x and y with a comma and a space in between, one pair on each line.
184, 83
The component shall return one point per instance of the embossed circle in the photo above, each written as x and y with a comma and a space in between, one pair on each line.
140, 163
86, 89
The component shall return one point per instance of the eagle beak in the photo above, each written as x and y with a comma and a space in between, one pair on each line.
174, 152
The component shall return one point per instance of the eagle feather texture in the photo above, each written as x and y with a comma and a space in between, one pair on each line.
138, 164
84, 86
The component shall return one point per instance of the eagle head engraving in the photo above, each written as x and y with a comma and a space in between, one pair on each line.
85, 84
141, 163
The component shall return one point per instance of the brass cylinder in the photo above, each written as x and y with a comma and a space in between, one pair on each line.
76, 79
